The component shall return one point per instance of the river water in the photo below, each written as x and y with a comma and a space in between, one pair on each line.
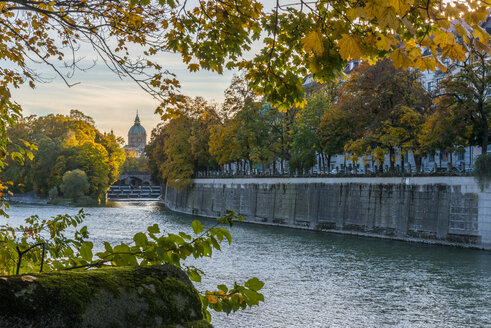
315, 279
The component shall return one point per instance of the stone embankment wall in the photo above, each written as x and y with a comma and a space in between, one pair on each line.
442, 210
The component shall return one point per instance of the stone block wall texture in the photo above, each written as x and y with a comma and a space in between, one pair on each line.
442, 210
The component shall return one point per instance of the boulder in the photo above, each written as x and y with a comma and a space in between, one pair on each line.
153, 296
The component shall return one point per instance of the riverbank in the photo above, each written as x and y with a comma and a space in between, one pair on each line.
438, 210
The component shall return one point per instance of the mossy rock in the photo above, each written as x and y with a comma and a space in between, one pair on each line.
153, 296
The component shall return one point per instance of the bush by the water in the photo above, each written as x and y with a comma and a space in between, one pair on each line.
75, 184
482, 170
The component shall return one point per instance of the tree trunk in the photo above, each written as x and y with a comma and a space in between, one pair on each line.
402, 162
485, 138
329, 163
417, 162
391, 159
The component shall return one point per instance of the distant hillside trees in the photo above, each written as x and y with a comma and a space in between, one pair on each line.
65, 143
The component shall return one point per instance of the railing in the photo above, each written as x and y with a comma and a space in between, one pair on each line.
333, 173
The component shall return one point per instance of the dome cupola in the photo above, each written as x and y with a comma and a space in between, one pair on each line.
137, 136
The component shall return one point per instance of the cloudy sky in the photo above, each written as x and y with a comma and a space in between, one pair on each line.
113, 102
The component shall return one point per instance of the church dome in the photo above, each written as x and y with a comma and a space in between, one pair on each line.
137, 128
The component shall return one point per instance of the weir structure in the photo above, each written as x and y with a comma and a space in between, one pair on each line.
440, 210
134, 185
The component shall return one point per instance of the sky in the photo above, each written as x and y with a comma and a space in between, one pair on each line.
113, 102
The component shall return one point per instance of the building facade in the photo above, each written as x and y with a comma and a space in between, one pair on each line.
137, 137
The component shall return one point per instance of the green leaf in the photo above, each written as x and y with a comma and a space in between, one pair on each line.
194, 275
108, 247
222, 287
197, 227
140, 239
254, 284
154, 228
86, 251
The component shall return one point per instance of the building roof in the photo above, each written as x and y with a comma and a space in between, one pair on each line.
137, 128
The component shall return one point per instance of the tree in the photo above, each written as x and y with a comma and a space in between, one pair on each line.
64, 143
75, 184
305, 144
466, 95
223, 143
389, 104
444, 130
134, 163
334, 131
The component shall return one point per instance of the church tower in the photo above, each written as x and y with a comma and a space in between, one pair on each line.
137, 136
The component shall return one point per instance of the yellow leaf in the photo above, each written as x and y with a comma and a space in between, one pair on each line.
313, 41
400, 59
481, 46
401, 6
373, 9
454, 52
354, 13
461, 30
350, 47
385, 42
439, 64
413, 52
388, 18
480, 34
425, 63
443, 37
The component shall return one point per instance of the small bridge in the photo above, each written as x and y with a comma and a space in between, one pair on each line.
134, 178
134, 185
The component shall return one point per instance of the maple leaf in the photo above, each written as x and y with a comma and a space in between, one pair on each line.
481, 46
443, 37
425, 63
453, 51
400, 59
480, 34
401, 6
193, 67
388, 18
313, 42
385, 42
350, 47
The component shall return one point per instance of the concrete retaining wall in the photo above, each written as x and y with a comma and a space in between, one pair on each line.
443, 210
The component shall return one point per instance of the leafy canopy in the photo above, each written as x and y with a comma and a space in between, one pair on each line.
292, 39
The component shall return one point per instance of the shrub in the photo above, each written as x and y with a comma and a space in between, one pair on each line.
75, 184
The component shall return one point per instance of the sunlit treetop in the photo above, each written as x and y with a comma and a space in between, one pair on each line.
276, 47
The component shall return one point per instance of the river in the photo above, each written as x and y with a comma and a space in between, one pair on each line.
315, 279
